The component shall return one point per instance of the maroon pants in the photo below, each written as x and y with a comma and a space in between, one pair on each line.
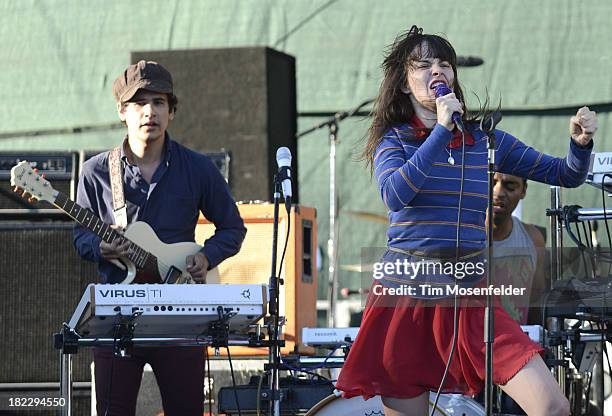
179, 373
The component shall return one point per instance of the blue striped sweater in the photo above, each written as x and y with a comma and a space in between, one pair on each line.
421, 189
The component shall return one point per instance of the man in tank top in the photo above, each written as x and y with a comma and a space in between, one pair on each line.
518, 250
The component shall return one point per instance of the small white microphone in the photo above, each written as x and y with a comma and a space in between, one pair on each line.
283, 159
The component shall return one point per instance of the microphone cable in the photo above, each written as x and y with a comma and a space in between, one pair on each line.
456, 294
234, 385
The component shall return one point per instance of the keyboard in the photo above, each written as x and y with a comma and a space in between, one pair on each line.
167, 310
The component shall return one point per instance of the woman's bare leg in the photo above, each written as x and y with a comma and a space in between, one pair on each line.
415, 406
536, 391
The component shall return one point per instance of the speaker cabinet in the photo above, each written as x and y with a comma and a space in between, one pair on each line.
241, 100
252, 264
43, 279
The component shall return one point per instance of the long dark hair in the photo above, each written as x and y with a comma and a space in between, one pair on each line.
392, 106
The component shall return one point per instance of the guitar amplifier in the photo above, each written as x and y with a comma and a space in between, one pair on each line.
253, 265
58, 167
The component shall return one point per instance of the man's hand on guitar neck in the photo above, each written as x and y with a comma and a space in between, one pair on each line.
116, 249
197, 267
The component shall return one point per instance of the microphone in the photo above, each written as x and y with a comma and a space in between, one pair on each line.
283, 159
442, 90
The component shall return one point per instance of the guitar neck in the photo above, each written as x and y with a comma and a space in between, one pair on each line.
86, 218
89, 220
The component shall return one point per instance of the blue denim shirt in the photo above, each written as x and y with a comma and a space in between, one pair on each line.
184, 184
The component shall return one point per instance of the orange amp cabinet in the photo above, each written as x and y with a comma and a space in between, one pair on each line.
252, 265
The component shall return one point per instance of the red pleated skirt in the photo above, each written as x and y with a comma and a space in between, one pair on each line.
401, 350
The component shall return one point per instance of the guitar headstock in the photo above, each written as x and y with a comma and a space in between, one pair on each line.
27, 180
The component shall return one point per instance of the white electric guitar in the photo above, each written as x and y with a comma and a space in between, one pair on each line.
149, 260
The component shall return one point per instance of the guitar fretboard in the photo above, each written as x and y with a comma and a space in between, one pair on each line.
89, 220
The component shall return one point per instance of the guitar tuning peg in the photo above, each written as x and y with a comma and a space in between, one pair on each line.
42, 175
32, 200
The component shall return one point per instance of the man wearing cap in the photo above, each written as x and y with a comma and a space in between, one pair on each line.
165, 185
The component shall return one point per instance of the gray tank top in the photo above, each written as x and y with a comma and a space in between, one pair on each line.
515, 260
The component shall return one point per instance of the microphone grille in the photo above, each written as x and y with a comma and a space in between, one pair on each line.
283, 157
442, 90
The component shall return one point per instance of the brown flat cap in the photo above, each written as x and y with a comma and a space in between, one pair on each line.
148, 75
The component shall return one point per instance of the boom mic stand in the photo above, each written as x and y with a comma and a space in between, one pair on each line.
332, 242
487, 125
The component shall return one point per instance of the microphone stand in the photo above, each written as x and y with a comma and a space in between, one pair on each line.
332, 242
487, 125
274, 357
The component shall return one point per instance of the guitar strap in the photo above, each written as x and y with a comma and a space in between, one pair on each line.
115, 173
